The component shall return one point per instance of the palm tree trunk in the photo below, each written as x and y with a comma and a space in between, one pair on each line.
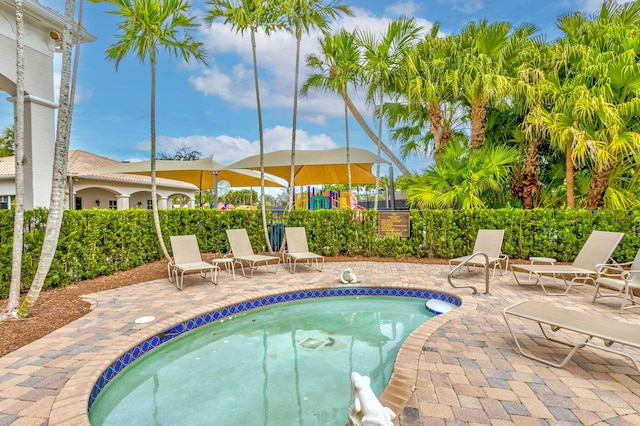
59, 178
530, 182
346, 129
570, 177
18, 219
435, 119
294, 125
597, 187
154, 188
262, 195
380, 112
374, 138
478, 113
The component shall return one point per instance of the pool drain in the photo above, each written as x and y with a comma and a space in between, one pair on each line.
313, 344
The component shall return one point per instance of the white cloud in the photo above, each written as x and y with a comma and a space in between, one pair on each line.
227, 149
276, 61
408, 8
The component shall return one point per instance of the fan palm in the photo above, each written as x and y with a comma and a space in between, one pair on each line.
487, 53
463, 178
429, 98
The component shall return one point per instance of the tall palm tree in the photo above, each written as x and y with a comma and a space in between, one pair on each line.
59, 178
427, 96
250, 15
482, 74
382, 57
13, 300
302, 16
147, 26
335, 69
591, 113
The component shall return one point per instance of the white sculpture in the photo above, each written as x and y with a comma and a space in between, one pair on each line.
366, 410
347, 276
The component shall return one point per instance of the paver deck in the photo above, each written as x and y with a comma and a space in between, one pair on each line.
458, 368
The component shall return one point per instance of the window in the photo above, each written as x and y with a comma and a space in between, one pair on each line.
5, 202
149, 205
113, 204
78, 203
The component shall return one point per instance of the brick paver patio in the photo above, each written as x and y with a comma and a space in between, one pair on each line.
458, 368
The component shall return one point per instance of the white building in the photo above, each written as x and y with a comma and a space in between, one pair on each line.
110, 191
43, 33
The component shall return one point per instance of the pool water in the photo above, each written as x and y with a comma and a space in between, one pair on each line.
284, 364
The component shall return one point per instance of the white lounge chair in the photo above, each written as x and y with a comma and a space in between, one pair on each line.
298, 249
611, 331
187, 258
596, 251
489, 242
242, 252
621, 279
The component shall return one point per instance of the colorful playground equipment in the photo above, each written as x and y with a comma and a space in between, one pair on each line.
310, 200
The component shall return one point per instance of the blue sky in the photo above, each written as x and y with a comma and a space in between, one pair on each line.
212, 109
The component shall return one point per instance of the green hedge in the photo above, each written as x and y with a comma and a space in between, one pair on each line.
101, 242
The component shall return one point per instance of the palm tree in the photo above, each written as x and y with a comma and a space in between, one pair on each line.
251, 15
146, 26
463, 178
336, 69
13, 300
591, 111
429, 98
59, 180
302, 16
482, 73
382, 57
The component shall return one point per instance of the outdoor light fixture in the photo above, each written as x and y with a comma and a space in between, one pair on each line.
98, 203
54, 35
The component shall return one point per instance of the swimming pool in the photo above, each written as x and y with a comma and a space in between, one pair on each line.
292, 344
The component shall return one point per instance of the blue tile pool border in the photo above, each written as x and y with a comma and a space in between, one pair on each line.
142, 348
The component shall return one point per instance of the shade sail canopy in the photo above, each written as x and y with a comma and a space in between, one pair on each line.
316, 167
203, 173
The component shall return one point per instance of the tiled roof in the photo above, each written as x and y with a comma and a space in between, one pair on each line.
82, 162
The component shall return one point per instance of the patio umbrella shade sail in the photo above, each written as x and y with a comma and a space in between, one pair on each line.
316, 167
203, 173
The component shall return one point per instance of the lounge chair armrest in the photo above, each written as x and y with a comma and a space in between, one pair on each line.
627, 274
611, 268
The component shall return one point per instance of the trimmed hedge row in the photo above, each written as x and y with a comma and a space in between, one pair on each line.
101, 242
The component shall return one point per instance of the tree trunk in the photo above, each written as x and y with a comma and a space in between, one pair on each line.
597, 187
59, 178
435, 118
478, 113
569, 168
530, 182
374, 138
346, 129
294, 125
154, 187
262, 196
380, 112
18, 137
